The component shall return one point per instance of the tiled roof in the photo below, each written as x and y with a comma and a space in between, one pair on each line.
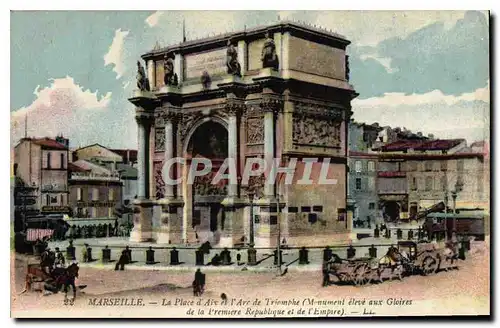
422, 145
132, 154
75, 168
49, 143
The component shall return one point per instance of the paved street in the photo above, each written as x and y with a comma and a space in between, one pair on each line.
463, 291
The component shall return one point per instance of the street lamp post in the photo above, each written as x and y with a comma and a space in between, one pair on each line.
252, 241
278, 218
252, 254
454, 196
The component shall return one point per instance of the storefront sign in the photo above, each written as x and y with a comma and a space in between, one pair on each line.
55, 209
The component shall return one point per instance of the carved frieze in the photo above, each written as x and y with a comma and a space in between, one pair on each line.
271, 104
159, 139
252, 110
255, 130
203, 186
318, 110
186, 122
159, 183
234, 107
316, 131
256, 185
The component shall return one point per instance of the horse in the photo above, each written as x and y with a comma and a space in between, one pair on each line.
394, 260
63, 277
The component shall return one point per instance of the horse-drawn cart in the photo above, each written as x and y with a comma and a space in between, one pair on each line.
407, 258
358, 271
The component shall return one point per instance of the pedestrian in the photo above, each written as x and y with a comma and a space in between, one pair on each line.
238, 258
85, 253
326, 275
122, 261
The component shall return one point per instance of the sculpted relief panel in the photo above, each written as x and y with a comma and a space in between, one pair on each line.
159, 139
255, 130
159, 183
316, 131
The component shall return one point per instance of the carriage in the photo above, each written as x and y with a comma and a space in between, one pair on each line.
406, 259
43, 276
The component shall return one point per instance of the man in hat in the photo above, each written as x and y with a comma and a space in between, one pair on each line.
60, 261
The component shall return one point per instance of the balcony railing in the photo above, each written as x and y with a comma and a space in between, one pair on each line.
94, 176
391, 174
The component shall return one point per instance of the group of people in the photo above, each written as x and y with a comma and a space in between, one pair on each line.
49, 260
99, 231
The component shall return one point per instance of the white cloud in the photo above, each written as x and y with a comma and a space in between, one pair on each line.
385, 61
434, 97
446, 116
58, 109
153, 19
114, 56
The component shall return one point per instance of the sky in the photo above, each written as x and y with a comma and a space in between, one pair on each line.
72, 72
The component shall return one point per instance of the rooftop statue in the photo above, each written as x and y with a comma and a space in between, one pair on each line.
233, 66
269, 57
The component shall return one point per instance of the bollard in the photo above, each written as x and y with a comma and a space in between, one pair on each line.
387, 233
70, 251
200, 257
376, 232
106, 254
351, 252
410, 234
150, 256
129, 254
252, 255
327, 254
276, 257
419, 233
399, 234
303, 256
89, 254
226, 257
174, 257
372, 251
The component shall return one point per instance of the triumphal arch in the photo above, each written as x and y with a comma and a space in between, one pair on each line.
276, 92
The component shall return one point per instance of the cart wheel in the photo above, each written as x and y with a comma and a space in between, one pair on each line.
362, 275
429, 266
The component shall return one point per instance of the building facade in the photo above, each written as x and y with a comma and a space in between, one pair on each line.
43, 164
415, 176
363, 187
123, 162
93, 193
275, 92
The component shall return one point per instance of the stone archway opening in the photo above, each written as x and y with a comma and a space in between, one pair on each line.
391, 211
208, 141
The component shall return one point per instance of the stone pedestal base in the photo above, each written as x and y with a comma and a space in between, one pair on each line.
267, 229
170, 230
143, 221
233, 229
